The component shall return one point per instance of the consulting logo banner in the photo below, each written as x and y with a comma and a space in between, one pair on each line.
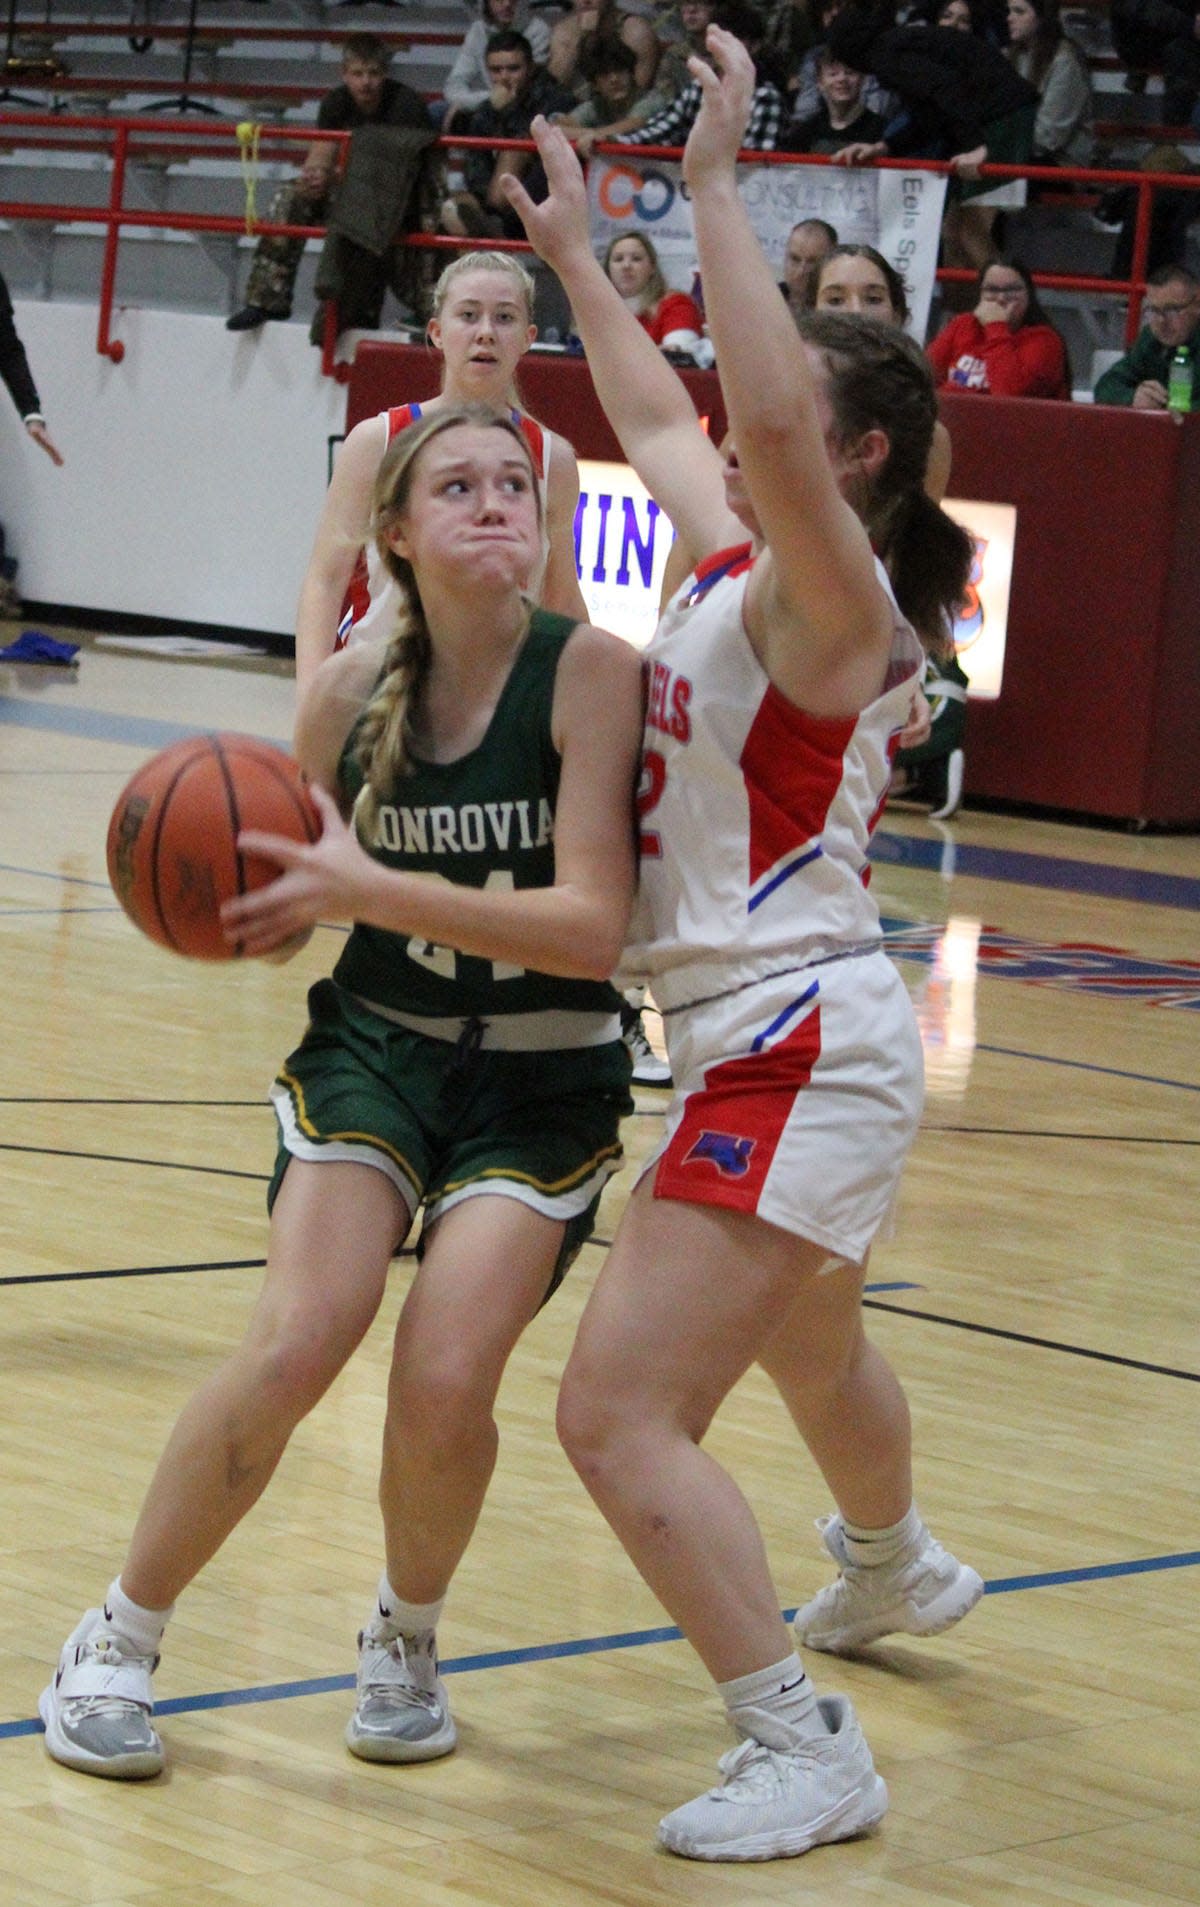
899, 212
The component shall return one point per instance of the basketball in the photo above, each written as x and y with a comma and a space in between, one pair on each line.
173, 857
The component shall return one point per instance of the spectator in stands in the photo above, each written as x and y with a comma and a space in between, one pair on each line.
591, 20
986, 18
18, 380
805, 94
673, 320
467, 83
520, 91
365, 97
842, 116
1161, 33
960, 100
1172, 314
792, 29
613, 104
807, 244
1006, 346
694, 19
1050, 60
768, 110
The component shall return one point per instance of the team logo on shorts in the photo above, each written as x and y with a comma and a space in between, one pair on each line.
728, 1151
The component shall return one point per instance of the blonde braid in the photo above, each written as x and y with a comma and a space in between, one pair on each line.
383, 742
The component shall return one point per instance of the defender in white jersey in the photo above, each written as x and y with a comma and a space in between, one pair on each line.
482, 325
777, 686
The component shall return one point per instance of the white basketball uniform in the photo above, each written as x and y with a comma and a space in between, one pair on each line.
372, 599
792, 1041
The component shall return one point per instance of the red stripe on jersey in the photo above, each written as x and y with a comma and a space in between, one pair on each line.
400, 417
535, 437
358, 593
730, 1130
792, 764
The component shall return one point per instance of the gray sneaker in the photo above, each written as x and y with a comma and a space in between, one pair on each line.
401, 1713
97, 1709
920, 1593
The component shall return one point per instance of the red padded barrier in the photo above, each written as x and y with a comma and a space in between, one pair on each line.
1100, 708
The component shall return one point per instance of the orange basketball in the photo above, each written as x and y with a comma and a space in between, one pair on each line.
173, 857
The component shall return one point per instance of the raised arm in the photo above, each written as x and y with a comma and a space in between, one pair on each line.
644, 401
341, 532
816, 613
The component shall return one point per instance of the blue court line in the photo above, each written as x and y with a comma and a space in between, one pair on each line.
1026, 869
590, 1645
100, 725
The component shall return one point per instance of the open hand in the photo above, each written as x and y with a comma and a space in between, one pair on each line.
329, 880
861, 152
558, 227
967, 164
726, 94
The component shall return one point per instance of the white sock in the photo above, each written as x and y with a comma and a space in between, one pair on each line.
776, 1705
868, 1548
408, 1618
143, 1627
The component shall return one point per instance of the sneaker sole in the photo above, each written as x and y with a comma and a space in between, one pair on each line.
858, 1814
139, 1767
394, 1749
905, 1618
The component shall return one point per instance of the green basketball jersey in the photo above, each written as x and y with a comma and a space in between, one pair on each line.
484, 820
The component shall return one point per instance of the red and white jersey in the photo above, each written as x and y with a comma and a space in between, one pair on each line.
754, 816
372, 599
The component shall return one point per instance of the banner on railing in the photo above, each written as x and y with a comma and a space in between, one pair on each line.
898, 212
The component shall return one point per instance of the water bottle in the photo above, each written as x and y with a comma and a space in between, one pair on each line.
1179, 382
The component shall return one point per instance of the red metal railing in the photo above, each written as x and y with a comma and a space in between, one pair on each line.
150, 136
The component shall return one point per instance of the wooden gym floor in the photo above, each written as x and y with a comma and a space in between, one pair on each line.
1038, 1298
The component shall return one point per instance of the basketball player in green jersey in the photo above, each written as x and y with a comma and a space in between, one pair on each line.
464, 1058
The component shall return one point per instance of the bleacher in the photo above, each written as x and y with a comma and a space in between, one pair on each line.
266, 63
270, 61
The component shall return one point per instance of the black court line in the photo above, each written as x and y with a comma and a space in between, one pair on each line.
1041, 1344
120, 1158
57, 1099
134, 1271
1089, 1066
1034, 1132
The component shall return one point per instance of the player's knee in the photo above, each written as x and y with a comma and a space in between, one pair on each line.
294, 1363
444, 1409
590, 1426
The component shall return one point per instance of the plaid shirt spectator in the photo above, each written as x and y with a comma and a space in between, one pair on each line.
672, 125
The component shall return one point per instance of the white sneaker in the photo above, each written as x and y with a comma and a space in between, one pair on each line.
97, 1709
401, 1713
923, 1592
775, 1802
648, 1068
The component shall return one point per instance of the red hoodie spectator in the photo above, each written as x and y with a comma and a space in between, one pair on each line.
1005, 346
